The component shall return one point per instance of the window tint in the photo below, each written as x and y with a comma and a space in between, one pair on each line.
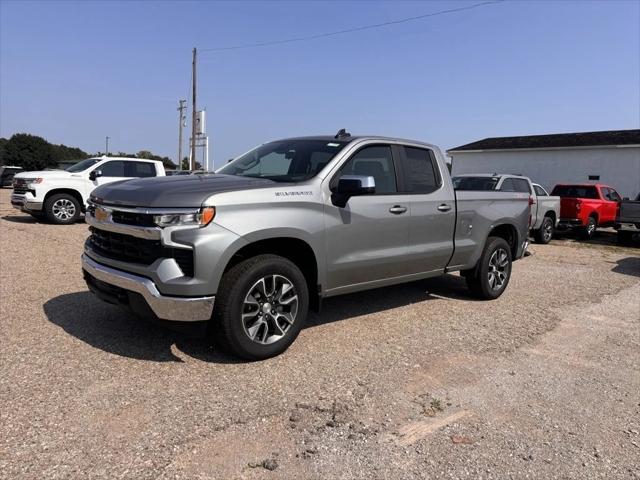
475, 183
140, 169
541, 192
420, 171
611, 194
112, 169
521, 185
575, 191
508, 185
377, 162
515, 185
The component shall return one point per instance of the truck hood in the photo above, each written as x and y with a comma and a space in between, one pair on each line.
173, 192
44, 174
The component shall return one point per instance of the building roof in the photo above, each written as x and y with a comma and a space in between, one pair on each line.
556, 140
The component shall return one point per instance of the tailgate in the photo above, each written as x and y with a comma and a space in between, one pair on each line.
569, 207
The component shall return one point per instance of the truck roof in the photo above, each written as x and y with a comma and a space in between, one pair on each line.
352, 138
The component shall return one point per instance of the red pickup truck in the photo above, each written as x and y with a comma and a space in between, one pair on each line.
586, 207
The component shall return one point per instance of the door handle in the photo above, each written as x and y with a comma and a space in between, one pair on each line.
398, 209
444, 207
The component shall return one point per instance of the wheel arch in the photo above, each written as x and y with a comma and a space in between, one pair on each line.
295, 249
69, 191
509, 233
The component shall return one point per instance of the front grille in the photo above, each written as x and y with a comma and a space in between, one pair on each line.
132, 218
127, 248
20, 187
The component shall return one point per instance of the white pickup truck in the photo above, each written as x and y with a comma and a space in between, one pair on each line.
61, 195
545, 209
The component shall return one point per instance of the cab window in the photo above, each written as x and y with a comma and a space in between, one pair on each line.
140, 169
419, 170
113, 168
377, 162
541, 192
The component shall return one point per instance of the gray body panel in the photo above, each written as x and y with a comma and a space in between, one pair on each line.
358, 247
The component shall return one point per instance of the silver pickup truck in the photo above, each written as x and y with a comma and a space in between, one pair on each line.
545, 209
245, 252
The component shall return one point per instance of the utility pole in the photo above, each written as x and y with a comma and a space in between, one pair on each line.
193, 116
107, 147
181, 108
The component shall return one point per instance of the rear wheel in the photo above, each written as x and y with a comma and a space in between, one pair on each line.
589, 230
62, 209
261, 307
545, 233
492, 273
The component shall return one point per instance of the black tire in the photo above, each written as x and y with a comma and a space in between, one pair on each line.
625, 237
545, 233
478, 279
62, 209
231, 332
589, 230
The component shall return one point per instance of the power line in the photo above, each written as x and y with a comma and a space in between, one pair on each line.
351, 30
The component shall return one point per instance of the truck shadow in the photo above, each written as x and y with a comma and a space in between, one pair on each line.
628, 266
20, 219
112, 329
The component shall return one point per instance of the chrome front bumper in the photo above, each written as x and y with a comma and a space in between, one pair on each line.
21, 202
182, 309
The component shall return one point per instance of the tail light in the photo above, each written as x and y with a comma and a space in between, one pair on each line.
531, 201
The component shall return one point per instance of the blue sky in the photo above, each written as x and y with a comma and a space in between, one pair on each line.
74, 72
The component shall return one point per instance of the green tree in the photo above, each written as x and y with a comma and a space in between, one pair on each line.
3, 143
29, 152
186, 166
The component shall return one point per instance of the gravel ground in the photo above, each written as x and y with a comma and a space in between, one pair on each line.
414, 381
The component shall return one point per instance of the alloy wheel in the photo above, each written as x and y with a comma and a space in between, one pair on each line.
498, 269
63, 209
269, 309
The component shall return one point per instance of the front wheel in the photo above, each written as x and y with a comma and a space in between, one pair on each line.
260, 308
492, 273
62, 209
545, 233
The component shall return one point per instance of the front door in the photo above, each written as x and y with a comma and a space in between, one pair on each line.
367, 240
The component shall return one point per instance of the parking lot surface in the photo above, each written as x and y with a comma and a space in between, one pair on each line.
413, 381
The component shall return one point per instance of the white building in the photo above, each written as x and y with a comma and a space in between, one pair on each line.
610, 157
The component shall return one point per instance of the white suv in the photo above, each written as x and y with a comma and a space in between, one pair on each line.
61, 195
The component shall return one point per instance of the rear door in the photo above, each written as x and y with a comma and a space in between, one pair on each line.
610, 207
367, 240
112, 171
139, 169
432, 219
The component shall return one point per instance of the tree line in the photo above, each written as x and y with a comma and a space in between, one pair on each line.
35, 153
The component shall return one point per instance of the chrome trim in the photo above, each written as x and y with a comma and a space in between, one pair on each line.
24, 204
145, 210
182, 309
148, 233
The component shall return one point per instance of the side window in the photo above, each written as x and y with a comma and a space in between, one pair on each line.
508, 185
140, 169
420, 171
541, 192
521, 185
611, 195
377, 162
112, 169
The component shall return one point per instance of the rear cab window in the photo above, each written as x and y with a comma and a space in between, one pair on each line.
511, 184
576, 191
475, 183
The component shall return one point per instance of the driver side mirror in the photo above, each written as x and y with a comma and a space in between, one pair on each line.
95, 174
352, 186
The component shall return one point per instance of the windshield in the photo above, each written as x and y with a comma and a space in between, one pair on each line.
285, 160
575, 191
83, 165
475, 183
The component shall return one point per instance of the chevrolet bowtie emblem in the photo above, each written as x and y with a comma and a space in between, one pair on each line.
101, 214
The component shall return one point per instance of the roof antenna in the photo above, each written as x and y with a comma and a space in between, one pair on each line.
342, 133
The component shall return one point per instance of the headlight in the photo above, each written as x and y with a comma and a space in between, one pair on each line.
202, 217
32, 182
